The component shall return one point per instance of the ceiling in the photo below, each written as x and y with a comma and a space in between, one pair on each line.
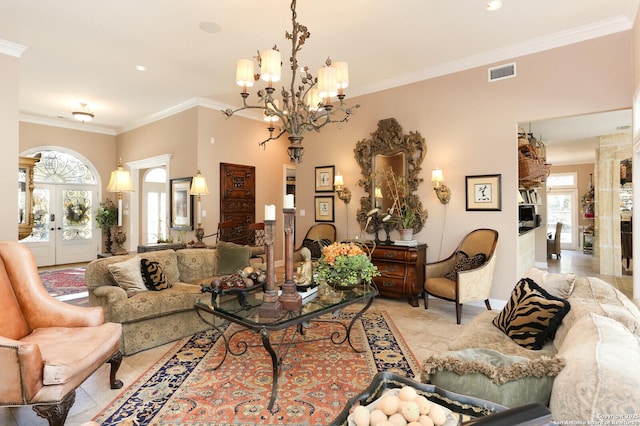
86, 51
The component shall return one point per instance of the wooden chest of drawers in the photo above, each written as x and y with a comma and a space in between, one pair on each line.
402, 270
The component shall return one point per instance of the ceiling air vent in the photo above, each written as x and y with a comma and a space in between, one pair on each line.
501, 72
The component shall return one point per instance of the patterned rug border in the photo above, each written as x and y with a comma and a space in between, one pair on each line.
142, 406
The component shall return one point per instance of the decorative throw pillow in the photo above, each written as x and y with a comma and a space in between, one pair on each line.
465, 263
511, 381
559, 285
315, 246
531, 315
232, 257
127, 275
153, 275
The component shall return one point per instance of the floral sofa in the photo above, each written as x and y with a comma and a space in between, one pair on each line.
586, 368
164, 313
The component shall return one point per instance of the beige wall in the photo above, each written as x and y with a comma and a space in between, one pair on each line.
98, 149
9, 76
187, 137
470, 127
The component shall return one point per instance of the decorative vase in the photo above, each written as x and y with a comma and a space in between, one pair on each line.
406, 234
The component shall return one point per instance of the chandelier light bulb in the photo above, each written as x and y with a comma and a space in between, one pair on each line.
494, 5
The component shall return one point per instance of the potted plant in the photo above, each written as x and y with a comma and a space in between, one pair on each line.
106, 218
345, 265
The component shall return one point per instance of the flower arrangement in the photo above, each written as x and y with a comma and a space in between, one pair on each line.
345, 264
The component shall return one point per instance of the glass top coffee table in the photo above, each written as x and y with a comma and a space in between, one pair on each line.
244, 310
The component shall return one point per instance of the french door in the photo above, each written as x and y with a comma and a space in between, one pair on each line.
63, 224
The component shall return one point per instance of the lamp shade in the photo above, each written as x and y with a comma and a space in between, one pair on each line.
313, 100
270, 65
437, 176
244, 73
338, 181
378, 192
327, 83
120, 180
198, 185
342, 74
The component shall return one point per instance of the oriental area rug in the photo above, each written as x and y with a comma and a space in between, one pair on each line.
66, 285
317, 378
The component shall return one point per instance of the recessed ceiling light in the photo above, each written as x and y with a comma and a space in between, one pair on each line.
494, 5
210, 27
141, 68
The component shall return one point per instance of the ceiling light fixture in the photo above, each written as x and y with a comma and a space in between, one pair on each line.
306, 105
83, 114
494, 5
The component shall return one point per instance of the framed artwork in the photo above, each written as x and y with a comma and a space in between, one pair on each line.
181, 204
484, 193
324, 208
324, 178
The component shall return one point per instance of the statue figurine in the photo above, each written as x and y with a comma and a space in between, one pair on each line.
305, 274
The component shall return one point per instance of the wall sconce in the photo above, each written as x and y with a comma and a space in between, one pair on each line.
442, 191
120, 182
343, 192
199, 188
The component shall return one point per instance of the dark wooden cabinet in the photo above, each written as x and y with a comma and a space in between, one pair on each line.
402, 270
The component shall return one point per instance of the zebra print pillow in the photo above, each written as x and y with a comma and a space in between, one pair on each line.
531, 315
153, 276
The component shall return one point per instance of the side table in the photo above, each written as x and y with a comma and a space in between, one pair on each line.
402, 270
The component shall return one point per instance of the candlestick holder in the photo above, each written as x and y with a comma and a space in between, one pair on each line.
290, 298
271, 306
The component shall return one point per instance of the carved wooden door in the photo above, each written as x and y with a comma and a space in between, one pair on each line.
238, 195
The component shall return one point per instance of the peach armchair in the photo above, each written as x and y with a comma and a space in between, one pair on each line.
450, 279
47, 347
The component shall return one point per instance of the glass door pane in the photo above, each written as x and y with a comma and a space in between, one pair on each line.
561, 207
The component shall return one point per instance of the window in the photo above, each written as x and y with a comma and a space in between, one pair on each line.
155, 206
562, 206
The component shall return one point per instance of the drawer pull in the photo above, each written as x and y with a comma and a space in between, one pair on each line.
391, 268
388, 284
389, 255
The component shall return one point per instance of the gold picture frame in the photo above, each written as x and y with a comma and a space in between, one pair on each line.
324, 178
484, 193
324, 208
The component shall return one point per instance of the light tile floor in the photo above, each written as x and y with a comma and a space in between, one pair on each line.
425, 331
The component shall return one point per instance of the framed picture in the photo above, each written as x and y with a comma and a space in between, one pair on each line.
324, 178
324, 208
181, 204
484, 192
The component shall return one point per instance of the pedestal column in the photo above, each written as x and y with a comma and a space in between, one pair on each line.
291, 300
271, 306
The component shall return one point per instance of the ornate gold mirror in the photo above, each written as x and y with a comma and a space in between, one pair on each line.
389, 148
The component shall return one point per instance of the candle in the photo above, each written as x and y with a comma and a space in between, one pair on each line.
119, 211
269, 212
288, 201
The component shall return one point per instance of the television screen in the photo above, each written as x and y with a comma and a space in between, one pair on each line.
526, 212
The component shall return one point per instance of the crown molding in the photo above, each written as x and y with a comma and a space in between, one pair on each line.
540, 44
12, 49
66, 124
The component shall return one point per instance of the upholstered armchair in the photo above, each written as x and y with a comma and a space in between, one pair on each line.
318, 236
466, 275
47, 347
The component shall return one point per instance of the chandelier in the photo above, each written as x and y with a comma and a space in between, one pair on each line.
305, 105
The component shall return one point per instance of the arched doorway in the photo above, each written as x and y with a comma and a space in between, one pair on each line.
64, 200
